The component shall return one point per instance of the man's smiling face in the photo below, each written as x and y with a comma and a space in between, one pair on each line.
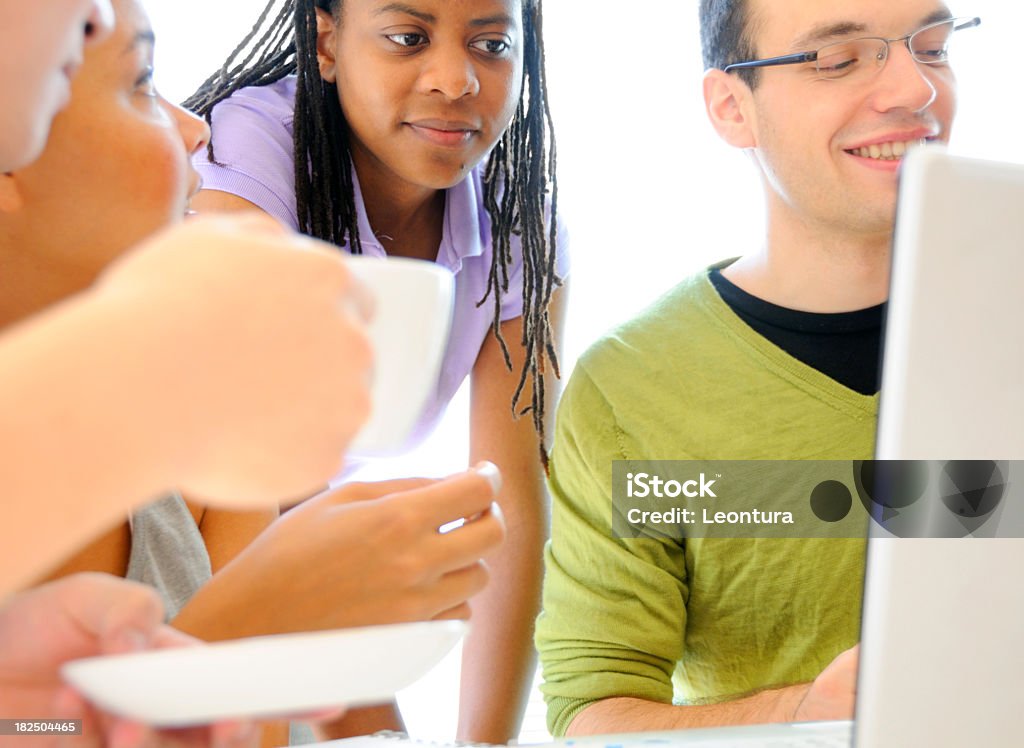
830, 149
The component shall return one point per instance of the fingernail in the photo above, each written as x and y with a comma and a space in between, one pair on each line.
489, 471
128, 640
239, 734
497, 513
125, 734
232, 734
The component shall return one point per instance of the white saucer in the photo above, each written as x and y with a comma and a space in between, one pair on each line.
266, 676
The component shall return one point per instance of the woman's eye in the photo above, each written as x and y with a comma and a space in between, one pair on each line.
144, 83
495, 47
408, 40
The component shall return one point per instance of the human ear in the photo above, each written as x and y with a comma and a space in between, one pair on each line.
10, 195
326, 35
727, 100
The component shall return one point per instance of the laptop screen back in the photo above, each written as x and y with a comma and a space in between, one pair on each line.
942, 662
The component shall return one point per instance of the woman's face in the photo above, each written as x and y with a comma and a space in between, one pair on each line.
115, 169
427, 86
40, 49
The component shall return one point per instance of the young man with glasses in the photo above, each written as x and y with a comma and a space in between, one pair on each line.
772, 356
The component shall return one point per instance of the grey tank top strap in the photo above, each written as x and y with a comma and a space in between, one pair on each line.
168, 552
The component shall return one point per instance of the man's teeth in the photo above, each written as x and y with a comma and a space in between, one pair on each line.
887, 151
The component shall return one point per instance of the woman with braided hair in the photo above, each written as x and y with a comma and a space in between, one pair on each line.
421, 129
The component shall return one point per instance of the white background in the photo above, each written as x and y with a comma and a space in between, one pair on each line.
649, 193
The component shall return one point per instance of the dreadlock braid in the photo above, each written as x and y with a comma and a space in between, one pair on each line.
518, 178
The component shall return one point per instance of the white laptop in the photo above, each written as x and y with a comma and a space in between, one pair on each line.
942, 660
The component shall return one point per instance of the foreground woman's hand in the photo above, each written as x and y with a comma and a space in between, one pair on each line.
250, 355
226, 358
83, 616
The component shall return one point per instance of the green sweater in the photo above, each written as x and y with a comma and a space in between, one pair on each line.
704, 620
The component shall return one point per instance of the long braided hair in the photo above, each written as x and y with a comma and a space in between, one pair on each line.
520, 189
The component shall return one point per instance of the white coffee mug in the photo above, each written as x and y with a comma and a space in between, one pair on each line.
412, 318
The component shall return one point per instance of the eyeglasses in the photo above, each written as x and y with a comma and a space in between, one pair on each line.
856, 58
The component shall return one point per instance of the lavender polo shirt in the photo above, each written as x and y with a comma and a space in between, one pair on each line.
252, 134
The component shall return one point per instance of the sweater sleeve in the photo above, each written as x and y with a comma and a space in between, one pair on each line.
614, 610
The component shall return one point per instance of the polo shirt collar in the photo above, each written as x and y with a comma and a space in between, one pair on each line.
466, 228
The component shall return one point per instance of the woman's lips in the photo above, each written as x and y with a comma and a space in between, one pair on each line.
442, 132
